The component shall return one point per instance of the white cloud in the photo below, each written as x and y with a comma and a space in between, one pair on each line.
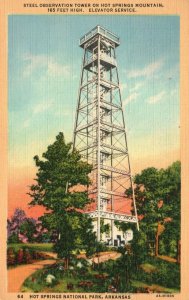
136, 87
55, 69
173, 71
39, 108
42, 106
26, 123
130, 98
146, 71
123, 86
47, 64
33, 63
156, 98
174, 93
64, 112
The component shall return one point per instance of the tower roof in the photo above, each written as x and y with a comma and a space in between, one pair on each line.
102, 31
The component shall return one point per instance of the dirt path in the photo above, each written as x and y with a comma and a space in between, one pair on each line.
103, 256
51, 254
106, 256
16, 276
167, 258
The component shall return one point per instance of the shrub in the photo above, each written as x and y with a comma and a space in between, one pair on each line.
27, 256
13, 238
167, 275
20, 256
70, 286
10, 257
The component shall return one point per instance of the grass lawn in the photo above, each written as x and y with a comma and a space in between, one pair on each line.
37, 281
46, 247
154, 287
159, 274
42, 287
148, 268
153, 275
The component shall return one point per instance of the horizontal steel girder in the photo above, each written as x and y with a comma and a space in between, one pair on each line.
104, 104
122, 151
102, 123
115, 170
112, 169
103, 58
111, 104
112, 216
103, 191
114, 148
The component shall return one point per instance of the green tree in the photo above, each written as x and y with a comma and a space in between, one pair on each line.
157, 195
104, 228
18, 224
28, 228
171, 234
138, 245
60, 168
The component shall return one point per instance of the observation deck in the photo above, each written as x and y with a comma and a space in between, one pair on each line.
102, 31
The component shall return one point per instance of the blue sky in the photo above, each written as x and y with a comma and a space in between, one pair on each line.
44, 70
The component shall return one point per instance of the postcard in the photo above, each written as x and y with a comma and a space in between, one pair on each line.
94, 127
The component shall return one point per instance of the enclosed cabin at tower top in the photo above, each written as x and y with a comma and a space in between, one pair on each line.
99, 30
108, 42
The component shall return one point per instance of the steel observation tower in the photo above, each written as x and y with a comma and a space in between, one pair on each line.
100, 135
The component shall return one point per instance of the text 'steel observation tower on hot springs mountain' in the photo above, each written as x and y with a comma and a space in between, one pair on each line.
100, 135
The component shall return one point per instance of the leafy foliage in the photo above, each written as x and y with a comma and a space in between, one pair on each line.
61, 170
20, 227
158, 203
110, 276
28, 228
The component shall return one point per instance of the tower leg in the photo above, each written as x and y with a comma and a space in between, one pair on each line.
112, 232
98, 229
98, 143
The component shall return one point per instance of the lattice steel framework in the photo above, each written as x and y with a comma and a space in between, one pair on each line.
99, 132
